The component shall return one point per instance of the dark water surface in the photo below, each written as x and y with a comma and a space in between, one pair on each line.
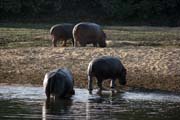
18, 102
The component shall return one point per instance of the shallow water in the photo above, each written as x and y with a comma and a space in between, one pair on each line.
18, 102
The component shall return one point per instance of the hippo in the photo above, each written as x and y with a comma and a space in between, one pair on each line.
106, 67
61, 32
59, 83
89, 33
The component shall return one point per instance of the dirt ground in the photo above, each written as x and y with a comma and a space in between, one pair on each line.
147, 67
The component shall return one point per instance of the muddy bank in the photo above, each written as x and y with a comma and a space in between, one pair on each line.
148, 67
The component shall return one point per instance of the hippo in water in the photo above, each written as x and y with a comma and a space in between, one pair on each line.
89, 33
103, 68
61, 32
59, 83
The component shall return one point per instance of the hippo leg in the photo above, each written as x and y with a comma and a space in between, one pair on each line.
73, 41
95, 44
99, 83
122, 77
48, 94
83, 44
69, 93
72, 92
64, 43
112, 84
76, 43
90, 87
54, 42
47, 91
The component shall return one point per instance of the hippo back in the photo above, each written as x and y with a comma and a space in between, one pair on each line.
68, 76
58, 83
61, 30
105, 67
87, 28
88, 32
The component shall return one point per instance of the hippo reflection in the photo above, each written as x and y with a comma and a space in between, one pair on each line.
55, 109
106, 67
59, 83
89, 33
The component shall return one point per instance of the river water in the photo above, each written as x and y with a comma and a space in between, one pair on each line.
22, 102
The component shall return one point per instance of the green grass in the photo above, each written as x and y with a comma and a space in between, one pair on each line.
23, 37
143, 36
37, 35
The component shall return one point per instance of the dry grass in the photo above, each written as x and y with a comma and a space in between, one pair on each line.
148, 67
150, 54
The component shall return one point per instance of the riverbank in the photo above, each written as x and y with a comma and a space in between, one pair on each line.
147, 67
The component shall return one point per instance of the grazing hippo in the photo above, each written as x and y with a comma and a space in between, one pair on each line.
58, 83
106, 67
61, 32
89, 33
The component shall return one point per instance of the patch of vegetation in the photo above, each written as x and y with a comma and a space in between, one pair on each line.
32, 35
150, 54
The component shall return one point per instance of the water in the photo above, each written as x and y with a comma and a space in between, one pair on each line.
18, 102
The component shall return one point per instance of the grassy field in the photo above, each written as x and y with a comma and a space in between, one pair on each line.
37, 35
150, 54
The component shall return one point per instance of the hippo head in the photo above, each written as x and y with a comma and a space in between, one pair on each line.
102, 42
122, 79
